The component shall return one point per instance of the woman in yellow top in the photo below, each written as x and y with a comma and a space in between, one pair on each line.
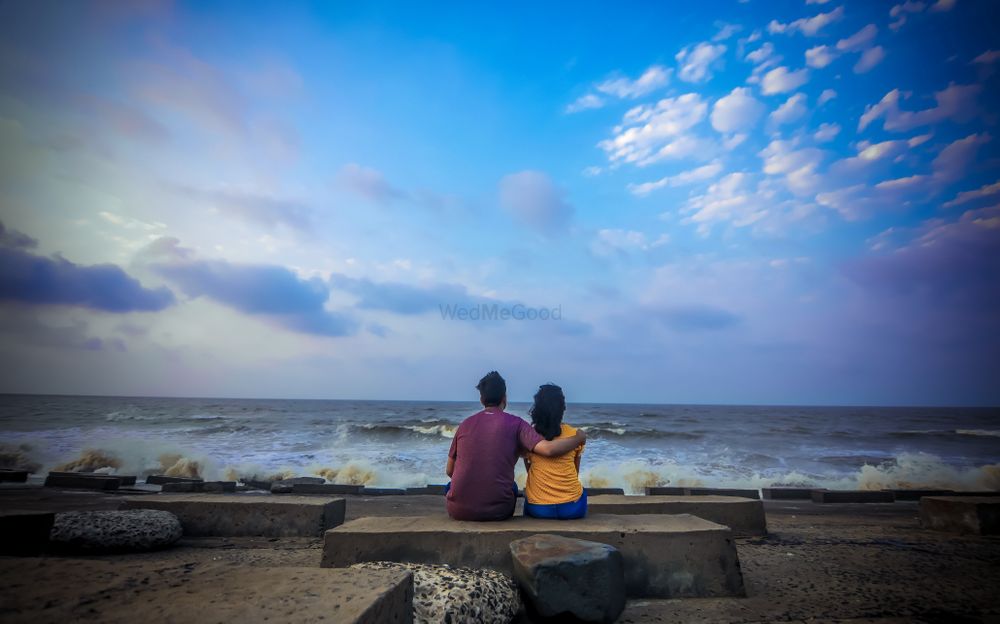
553, 489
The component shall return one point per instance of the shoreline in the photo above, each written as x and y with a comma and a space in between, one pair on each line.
829, 562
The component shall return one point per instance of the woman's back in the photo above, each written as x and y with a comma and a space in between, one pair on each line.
554, 480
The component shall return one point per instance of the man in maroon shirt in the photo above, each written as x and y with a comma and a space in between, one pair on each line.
484, 451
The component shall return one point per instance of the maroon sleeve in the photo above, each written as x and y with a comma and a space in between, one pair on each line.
527, 435
453, 451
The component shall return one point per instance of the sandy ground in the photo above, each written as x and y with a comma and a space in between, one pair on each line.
819, 563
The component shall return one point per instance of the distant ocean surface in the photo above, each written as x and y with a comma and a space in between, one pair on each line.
397, 443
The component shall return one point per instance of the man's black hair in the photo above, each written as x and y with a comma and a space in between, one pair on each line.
547, 412
492, 389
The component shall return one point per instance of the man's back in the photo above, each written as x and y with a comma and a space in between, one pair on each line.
485, 448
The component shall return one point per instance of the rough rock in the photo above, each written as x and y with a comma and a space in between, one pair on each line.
562, 576
115, 531
442, 593
162, 479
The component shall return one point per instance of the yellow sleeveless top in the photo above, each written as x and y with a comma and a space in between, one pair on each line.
553, 480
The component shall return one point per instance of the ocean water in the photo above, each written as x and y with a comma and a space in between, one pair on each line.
398, 443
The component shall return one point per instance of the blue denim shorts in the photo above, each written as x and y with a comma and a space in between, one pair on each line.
561, 511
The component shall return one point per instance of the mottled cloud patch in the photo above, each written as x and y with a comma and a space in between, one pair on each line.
404, 299
956, 102
270, 291
38, 280
533, 199
368, 183
693, 318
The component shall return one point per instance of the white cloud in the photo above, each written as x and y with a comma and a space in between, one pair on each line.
900, 11
859, 40
655, 77
817, 1
691, 176
820, 56
987, 58
613, 241
792, 110
957, 103
726, 31
920, 139
987, 190
810, 26
734, 141
826, 96
585, 102
761, 54
737, 111
696, 63
869, 154
953, 162
781, 80
534, 200
652, 132
368, 183
869, 59
826, 132
943, 5
732, 199
798, 166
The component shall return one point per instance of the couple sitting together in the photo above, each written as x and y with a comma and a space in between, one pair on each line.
488, 444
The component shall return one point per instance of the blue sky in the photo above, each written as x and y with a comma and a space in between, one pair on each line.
727, 202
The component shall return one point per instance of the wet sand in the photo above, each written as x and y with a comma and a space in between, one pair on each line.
819, 563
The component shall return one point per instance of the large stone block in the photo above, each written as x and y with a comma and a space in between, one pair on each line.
592, 491
915, 495
787, 493
852, 496
704, 491
24, 532
125, 480
13, 476
367, 491
670, 556
135, 530
162, 479
235, 515
427, 489
961, 514
744, 516
331, 489
207, 592
664, 490
82, 482
562, 576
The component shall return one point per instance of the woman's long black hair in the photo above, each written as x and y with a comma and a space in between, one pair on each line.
547, 412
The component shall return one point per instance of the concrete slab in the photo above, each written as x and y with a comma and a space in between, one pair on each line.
979, 515
673, 556
228, 593
915, 495
236, 515
662, 490
745, 516
852, 496
82, 482
13, 476
787, 493
24, 532
591, 491
162, 479
126, 480
367, 491
325, 488
703, 491
427, 489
